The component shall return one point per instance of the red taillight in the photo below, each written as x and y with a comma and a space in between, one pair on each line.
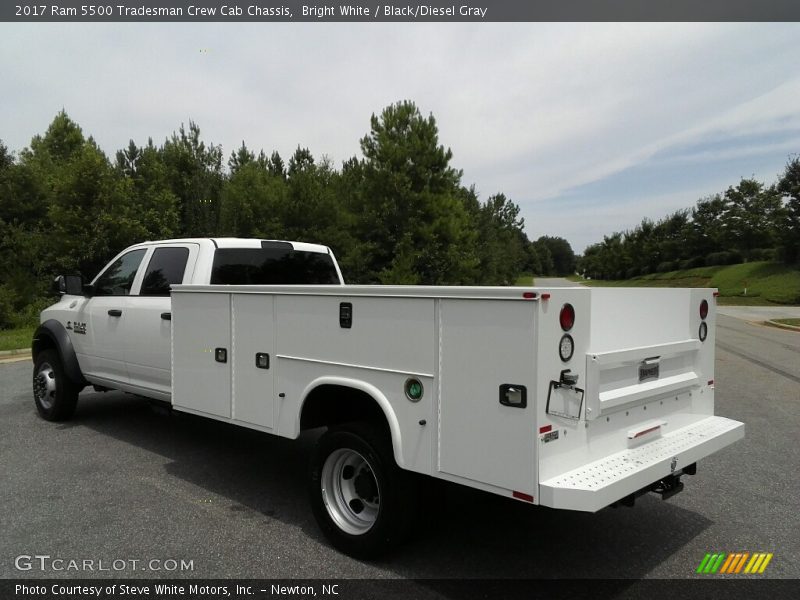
703, 309
529, 295
567, 317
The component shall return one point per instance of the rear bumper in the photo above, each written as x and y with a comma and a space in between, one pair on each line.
595, 485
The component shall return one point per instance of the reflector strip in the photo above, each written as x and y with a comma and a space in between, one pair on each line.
529, 295
522, 496
545, 428
646, 431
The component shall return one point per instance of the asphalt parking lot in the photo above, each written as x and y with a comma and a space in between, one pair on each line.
124, 481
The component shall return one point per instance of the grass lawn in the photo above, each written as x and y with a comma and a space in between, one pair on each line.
525, 279
13, 339
794, 322
748, 284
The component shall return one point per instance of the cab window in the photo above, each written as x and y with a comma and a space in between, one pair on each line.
118, 278
276, 264
166, 268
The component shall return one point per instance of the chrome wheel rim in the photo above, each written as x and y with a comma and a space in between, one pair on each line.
350, 491
44, 386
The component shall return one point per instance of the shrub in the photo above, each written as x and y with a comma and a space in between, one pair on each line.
732, 257
762, 254
665, 266
693, 263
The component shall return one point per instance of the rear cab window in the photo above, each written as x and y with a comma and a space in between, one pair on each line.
166, 267
274, 263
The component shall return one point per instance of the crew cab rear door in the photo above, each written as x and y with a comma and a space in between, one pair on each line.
147, 326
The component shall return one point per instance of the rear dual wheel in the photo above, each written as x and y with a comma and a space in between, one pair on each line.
363, 502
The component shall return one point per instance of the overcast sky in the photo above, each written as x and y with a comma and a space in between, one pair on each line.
588, 127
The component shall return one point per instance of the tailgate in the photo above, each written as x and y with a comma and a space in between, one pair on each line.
597, 484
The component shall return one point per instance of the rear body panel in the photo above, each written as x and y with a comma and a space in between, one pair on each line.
648, 399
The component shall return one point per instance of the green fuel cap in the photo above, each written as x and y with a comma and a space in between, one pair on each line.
414, 389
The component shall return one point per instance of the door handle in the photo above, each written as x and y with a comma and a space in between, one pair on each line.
114, 312
166, 316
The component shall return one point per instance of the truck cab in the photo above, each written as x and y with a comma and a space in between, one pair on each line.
119, 325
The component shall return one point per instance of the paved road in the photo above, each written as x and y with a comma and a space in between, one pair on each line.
122, 481
761, 313
554, 282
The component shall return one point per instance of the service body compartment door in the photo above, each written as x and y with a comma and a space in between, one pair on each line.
201, 353
487, 366
253, 351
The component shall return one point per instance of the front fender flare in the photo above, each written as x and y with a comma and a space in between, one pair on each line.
53, 333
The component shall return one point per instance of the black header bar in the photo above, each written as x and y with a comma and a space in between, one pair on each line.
394, 11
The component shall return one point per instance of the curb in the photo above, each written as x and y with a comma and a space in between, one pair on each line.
782, 326
6, 360
17, 352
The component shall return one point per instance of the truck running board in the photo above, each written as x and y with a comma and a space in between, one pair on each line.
600, 483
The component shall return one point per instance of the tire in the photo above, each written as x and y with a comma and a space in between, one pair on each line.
54, 394
363, 502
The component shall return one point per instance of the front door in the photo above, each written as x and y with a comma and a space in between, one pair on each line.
103, 317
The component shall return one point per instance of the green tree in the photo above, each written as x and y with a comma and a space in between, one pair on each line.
411, 213
501, 246
789, 227
561, 254
276, 166
194, 173
152, 202
240, 158
753, 215
253, 203
707, 232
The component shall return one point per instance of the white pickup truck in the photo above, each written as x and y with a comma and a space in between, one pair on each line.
572, 398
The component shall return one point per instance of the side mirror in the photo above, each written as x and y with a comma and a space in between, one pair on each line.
68, 284
59, 285
73, 285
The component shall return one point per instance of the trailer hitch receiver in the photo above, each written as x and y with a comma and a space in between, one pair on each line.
668, 486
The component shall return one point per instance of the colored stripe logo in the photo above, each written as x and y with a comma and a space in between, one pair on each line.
734, 563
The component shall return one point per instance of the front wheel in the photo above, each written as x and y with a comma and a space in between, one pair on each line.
54, 393
363, 502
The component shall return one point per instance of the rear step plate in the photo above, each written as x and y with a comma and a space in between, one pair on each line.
597, 484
